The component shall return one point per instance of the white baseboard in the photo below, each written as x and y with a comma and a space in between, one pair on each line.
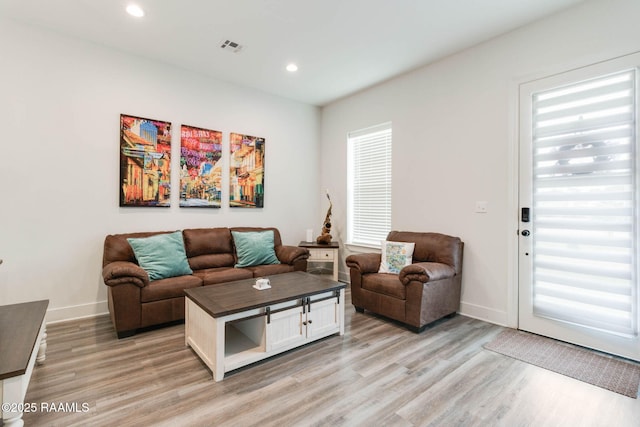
63, 314
344, 277
484, 313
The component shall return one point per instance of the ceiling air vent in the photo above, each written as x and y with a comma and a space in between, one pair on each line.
230, 46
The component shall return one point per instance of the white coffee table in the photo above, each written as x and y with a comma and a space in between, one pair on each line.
233, 324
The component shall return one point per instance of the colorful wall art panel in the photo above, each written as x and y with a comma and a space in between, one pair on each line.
246, 180
200, 167
145, 162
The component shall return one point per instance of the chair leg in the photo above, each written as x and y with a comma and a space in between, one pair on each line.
126, 334
416, 329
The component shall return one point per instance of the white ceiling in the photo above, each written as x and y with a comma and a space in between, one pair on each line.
340, 46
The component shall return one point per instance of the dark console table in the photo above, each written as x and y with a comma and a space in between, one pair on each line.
22, 343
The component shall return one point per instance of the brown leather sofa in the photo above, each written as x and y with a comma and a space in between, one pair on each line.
136, 302
422, 292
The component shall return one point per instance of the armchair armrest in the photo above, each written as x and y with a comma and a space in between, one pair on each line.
364, 263
426, 272
119, 272
291, 254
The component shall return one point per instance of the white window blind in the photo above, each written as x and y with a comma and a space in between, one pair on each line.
369, 181
585, 204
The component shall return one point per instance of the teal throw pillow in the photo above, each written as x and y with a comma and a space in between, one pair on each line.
254, 248
162, 255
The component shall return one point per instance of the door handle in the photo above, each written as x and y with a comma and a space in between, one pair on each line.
525, 233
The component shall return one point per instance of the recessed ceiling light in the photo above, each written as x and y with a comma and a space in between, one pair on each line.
292, 68
135, 10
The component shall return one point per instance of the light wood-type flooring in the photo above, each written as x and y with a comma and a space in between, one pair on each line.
377, 374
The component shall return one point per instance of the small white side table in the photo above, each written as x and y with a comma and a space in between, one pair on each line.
323, 254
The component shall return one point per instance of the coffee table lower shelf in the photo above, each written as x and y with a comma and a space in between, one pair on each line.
226, 343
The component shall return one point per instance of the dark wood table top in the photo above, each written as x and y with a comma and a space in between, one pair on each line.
315, 245
233, 297
19, 327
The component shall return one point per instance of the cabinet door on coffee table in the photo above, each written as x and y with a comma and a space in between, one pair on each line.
323, 318
285, 329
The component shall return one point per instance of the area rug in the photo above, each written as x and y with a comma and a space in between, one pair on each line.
576, 362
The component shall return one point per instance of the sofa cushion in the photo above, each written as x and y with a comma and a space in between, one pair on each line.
387, 284
208, 247
117, 248
254, 248
432, 247
162, 255
267, 270
172, 287
211, 276
395, 256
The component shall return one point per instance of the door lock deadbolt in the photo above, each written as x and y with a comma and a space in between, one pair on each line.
525, 233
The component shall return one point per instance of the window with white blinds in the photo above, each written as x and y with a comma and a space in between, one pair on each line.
585, 204
369, 185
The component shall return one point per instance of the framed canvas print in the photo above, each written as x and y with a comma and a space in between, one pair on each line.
246, 178
200, 167
145, 162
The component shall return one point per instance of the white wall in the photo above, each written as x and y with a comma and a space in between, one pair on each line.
60, 105
455, 135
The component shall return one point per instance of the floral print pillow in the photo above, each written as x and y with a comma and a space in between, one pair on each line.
395, 256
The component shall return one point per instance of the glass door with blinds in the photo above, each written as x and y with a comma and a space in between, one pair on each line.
578, 233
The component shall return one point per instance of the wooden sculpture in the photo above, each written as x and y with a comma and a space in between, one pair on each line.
325, 237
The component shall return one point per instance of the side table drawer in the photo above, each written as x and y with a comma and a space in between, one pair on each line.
321, 254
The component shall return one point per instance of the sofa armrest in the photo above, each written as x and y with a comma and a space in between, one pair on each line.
364, 263
291, 254
119, 272
426, 272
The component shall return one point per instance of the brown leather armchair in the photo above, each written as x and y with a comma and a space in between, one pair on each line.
422, 292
